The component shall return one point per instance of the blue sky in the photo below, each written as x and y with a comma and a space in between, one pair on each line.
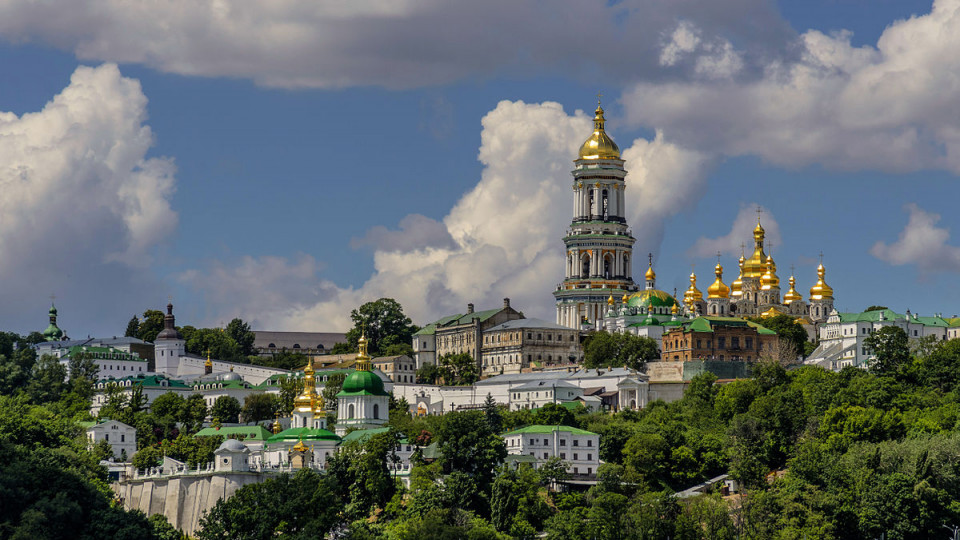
305, 158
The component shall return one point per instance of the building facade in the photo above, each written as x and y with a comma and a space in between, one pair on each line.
522, 343
842, 336
578, 447
121, 437
399, 369
599, 245
455, 334
718, 338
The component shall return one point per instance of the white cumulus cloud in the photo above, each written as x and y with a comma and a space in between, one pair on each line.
506, 232
741, 232
888, 107
921, 243
82, 206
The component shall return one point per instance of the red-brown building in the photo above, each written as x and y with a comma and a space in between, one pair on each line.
718, 338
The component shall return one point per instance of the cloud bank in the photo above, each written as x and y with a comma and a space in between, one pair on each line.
887, 107
389, 43
501, 239
921, 243
82, 206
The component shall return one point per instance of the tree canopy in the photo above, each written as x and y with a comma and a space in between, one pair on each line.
603, 349
384, 323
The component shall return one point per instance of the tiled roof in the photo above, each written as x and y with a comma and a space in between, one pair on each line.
254, 433
529, 323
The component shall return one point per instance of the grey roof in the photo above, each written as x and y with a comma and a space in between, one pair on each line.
529, 323
231, 445
536, 385
303, 340
111, 341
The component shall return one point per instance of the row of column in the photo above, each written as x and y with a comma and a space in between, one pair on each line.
584, 208
620, 264
569, 315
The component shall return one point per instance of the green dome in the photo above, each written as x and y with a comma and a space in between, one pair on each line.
303, 434
652, 298
363, 382
650, 321
52, 333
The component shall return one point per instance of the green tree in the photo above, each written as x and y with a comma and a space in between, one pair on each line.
298, 506
227, 409
241, 334
428, 374
787, 330
150, 325
603, 349
553, 471
891, 349
330, 390
552, 414
147, 457
384, 323
458, 369
47, 383
876, 308
257, 407
283, 359
220, 345
492, 414
133, 327
193, 413
466, 444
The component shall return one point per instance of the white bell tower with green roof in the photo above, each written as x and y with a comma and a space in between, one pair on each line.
599, 254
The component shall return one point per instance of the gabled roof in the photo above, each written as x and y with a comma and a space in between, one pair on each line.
303, 434
548, 429
147, 381
361, 435
708, 324
890, 315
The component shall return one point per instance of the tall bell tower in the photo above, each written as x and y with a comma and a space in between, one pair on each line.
599, 244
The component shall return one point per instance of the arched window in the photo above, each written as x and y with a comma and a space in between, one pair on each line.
350, 411
376, 410
585, 265
607, 266
626, 265
272, 346
296, 345
605, 212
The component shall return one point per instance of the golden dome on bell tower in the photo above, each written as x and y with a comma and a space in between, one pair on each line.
736, 288
599, 145
756, 265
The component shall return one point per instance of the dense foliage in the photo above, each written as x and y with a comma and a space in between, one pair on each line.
387, 328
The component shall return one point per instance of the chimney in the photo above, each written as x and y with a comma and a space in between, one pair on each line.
469, 308
506, 303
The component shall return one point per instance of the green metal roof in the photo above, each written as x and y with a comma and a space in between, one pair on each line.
362, 383
549, 429
707, 324
890, 315
255, 433
148, 381
360, 435
303, 434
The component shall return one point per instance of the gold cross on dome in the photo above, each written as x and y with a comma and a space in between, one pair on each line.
718, 256
599, 98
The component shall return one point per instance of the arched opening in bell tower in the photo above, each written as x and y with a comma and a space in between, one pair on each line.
606, 211
585, 266
607, 266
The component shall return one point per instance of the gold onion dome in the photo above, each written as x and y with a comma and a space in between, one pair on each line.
599, 145
693, 294
769, 279
650, 275
625, 298
821, 290
307, 399
610, 300
792, 295
736, 288
718, 289
756, 265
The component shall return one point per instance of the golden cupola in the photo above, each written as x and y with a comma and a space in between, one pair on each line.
736, 288
693, 294
650, 275
769, 279
821, 290
718, 289
306, 401
792, 295
756, 265
599, 145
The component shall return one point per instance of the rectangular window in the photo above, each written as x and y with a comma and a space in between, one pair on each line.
589, 443
576, 457
546, 456
749, 343
576, 442
721, 342
546, 442
122, 437
563, 455
589, 457
698, 344
575, 470
563, 442
735, 342
106, 437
